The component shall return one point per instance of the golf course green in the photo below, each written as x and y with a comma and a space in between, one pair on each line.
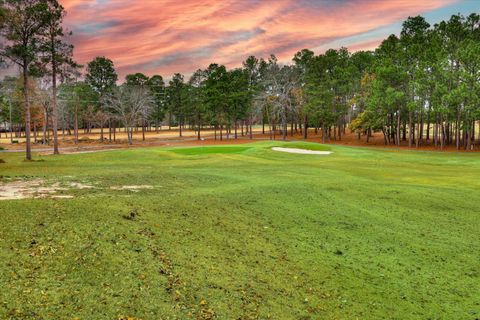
243, 232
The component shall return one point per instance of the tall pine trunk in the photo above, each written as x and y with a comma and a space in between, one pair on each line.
28, 146
305, 126
199, 126
45, 124
75, 127
398, 128
54, 96
180, 126
457, 131
250, 125
410, 129
110, 130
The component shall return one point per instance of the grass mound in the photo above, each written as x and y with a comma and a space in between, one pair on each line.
210, 150
367, 234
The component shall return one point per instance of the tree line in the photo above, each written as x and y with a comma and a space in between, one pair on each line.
34, 40
418, 88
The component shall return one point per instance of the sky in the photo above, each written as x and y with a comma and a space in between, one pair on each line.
168, 36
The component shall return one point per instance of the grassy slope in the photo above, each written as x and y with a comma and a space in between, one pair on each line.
250, 234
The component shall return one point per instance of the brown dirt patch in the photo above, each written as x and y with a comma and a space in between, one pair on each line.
27, 189
37, 189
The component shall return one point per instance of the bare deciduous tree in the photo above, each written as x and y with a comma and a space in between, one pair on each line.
278, 95
131, 105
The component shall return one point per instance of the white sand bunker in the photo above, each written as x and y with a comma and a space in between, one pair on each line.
131, 188
80, 186
301, 151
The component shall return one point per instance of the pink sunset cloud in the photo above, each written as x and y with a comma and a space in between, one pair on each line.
164, 37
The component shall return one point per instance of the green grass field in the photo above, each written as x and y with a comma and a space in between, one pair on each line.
243, 232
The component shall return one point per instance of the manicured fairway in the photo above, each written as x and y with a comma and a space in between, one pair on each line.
243, 232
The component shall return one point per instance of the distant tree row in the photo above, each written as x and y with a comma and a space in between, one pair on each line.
424, 86
419, 88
